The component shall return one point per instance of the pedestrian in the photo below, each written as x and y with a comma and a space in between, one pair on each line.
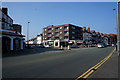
116, 47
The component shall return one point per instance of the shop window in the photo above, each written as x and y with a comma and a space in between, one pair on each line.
56, 43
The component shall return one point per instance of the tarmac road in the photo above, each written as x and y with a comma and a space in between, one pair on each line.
53, 64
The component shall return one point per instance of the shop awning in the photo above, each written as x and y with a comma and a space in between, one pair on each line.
71, 41
79, 41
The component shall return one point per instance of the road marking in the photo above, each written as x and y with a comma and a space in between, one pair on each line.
91, 70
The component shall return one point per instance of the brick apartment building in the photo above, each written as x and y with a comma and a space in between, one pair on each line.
62, 35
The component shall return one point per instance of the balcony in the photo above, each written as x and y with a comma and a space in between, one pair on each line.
66, 34
66, 30
8, 30
56, 26
66, 25
56, 35
57, 31
49, 31
49, 27
49, 36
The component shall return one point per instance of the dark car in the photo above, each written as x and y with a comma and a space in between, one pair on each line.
74, 46
41, 46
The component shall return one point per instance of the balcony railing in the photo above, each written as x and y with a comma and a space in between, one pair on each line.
5, 30
57, 35
49, 31
66, 35
57, 31
66, 25
49, 36
66, 30
56, 26
49, 27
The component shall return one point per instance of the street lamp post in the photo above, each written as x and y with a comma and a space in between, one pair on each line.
118, 36
28, 32
118, 28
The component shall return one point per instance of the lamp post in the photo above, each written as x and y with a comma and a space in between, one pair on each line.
28, 32
118, 28
118, 36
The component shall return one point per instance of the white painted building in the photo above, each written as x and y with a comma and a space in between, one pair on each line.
106, 40
87, 36
37, 40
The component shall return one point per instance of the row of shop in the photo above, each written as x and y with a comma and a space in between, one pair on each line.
61, 43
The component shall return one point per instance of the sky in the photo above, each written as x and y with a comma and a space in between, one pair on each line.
99, 16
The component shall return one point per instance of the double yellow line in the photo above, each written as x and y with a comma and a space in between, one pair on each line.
91, 70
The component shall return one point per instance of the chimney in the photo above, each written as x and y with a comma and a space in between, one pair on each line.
84, 28
88, 29
5, 10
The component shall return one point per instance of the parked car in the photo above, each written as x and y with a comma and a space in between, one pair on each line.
41, 46
113, 45
101, 45
73, 46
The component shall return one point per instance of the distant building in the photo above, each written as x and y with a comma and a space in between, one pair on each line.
12, 39
32, 41
87, 36
39, 39
62, 35
36, 41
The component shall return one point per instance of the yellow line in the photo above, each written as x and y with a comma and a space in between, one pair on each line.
90, 71
88, 74
106, 59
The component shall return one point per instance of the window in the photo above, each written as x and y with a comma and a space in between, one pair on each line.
66, 32
60, 37
49, 38
66, 37
49, 34
60, 32
3, 26
52, 33
45, 38
67, 27
73, 27
57, 38
73, 37
52, 37
45, 33
52, 28
56, 33
60, 27
73, 32
56, 43
45, 29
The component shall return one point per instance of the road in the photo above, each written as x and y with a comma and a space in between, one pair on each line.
54, 64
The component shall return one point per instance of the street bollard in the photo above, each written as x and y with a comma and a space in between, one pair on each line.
68, 47
61, 47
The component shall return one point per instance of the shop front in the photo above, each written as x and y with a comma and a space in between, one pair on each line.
79, 42
51, 43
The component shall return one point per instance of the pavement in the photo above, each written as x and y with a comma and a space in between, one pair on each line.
53, 64
109, 70
26, 51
